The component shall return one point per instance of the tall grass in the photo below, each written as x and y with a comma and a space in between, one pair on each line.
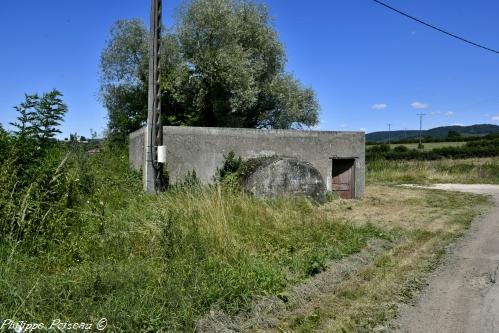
477, 170
36, 199
158, 263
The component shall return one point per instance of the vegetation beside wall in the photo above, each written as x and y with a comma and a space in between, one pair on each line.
162, 261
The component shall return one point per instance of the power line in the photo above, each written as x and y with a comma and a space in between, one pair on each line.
436, 28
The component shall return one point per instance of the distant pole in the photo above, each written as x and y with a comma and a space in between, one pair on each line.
421, 115
389, 133
153, 171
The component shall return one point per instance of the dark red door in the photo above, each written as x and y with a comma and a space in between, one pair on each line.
343, 177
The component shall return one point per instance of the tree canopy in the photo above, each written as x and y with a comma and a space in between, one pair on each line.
40, 117
222, 65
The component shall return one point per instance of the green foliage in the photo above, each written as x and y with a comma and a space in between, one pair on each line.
40, 117
438, 134
4, 143
50, 114
36, 199
27, 125
222, 65
486, 147
156, 262
401, 149
37, 192
235, 170
190, 181
231, 165
453, 134
434, 171
127, 109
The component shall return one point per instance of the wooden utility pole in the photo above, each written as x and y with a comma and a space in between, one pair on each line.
421, 115
389, 133
153, 169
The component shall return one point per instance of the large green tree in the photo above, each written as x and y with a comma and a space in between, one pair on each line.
40, 117
222, 65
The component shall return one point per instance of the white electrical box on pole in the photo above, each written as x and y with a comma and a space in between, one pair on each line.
153, 168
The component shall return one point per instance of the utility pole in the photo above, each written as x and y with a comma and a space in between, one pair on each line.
153, 169
389, 133
421, 115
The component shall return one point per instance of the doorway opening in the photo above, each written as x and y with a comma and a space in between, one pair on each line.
343, 177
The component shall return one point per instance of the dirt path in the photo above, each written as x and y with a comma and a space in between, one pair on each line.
463, 295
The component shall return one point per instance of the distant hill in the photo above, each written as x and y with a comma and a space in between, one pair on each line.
435, 133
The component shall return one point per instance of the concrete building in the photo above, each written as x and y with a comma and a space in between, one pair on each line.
338, 156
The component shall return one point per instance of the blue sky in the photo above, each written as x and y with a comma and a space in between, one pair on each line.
368, 66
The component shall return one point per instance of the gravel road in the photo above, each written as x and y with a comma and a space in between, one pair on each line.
462, 295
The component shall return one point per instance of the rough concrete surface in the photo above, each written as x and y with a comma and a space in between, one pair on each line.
286, 176
463, 294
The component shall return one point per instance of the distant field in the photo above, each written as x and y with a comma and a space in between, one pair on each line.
469, 171
430, 145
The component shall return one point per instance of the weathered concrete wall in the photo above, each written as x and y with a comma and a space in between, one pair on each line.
202, 149
285, 176
136, 148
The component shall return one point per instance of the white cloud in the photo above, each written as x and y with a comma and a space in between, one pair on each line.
343, 125
495, 118
363, 129
457, 124
420, 105
380, 106
449, 113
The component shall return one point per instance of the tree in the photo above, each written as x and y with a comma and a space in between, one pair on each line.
40, 117
222, 65
4, 143
27, 125
50, 114
453, 134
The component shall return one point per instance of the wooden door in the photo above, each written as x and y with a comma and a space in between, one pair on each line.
343, 177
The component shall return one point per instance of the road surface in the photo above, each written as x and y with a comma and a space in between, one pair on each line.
463, 295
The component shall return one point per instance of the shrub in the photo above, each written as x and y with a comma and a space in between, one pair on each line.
232, 163
235, 170
37, 200
400, 149
40, 180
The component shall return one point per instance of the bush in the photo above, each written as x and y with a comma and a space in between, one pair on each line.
36, 199
400, 149
231, 165
41, 180
235, 170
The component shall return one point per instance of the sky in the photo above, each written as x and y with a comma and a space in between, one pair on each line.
369, 66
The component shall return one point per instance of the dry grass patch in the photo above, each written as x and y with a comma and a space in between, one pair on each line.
361, 292
391, 208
